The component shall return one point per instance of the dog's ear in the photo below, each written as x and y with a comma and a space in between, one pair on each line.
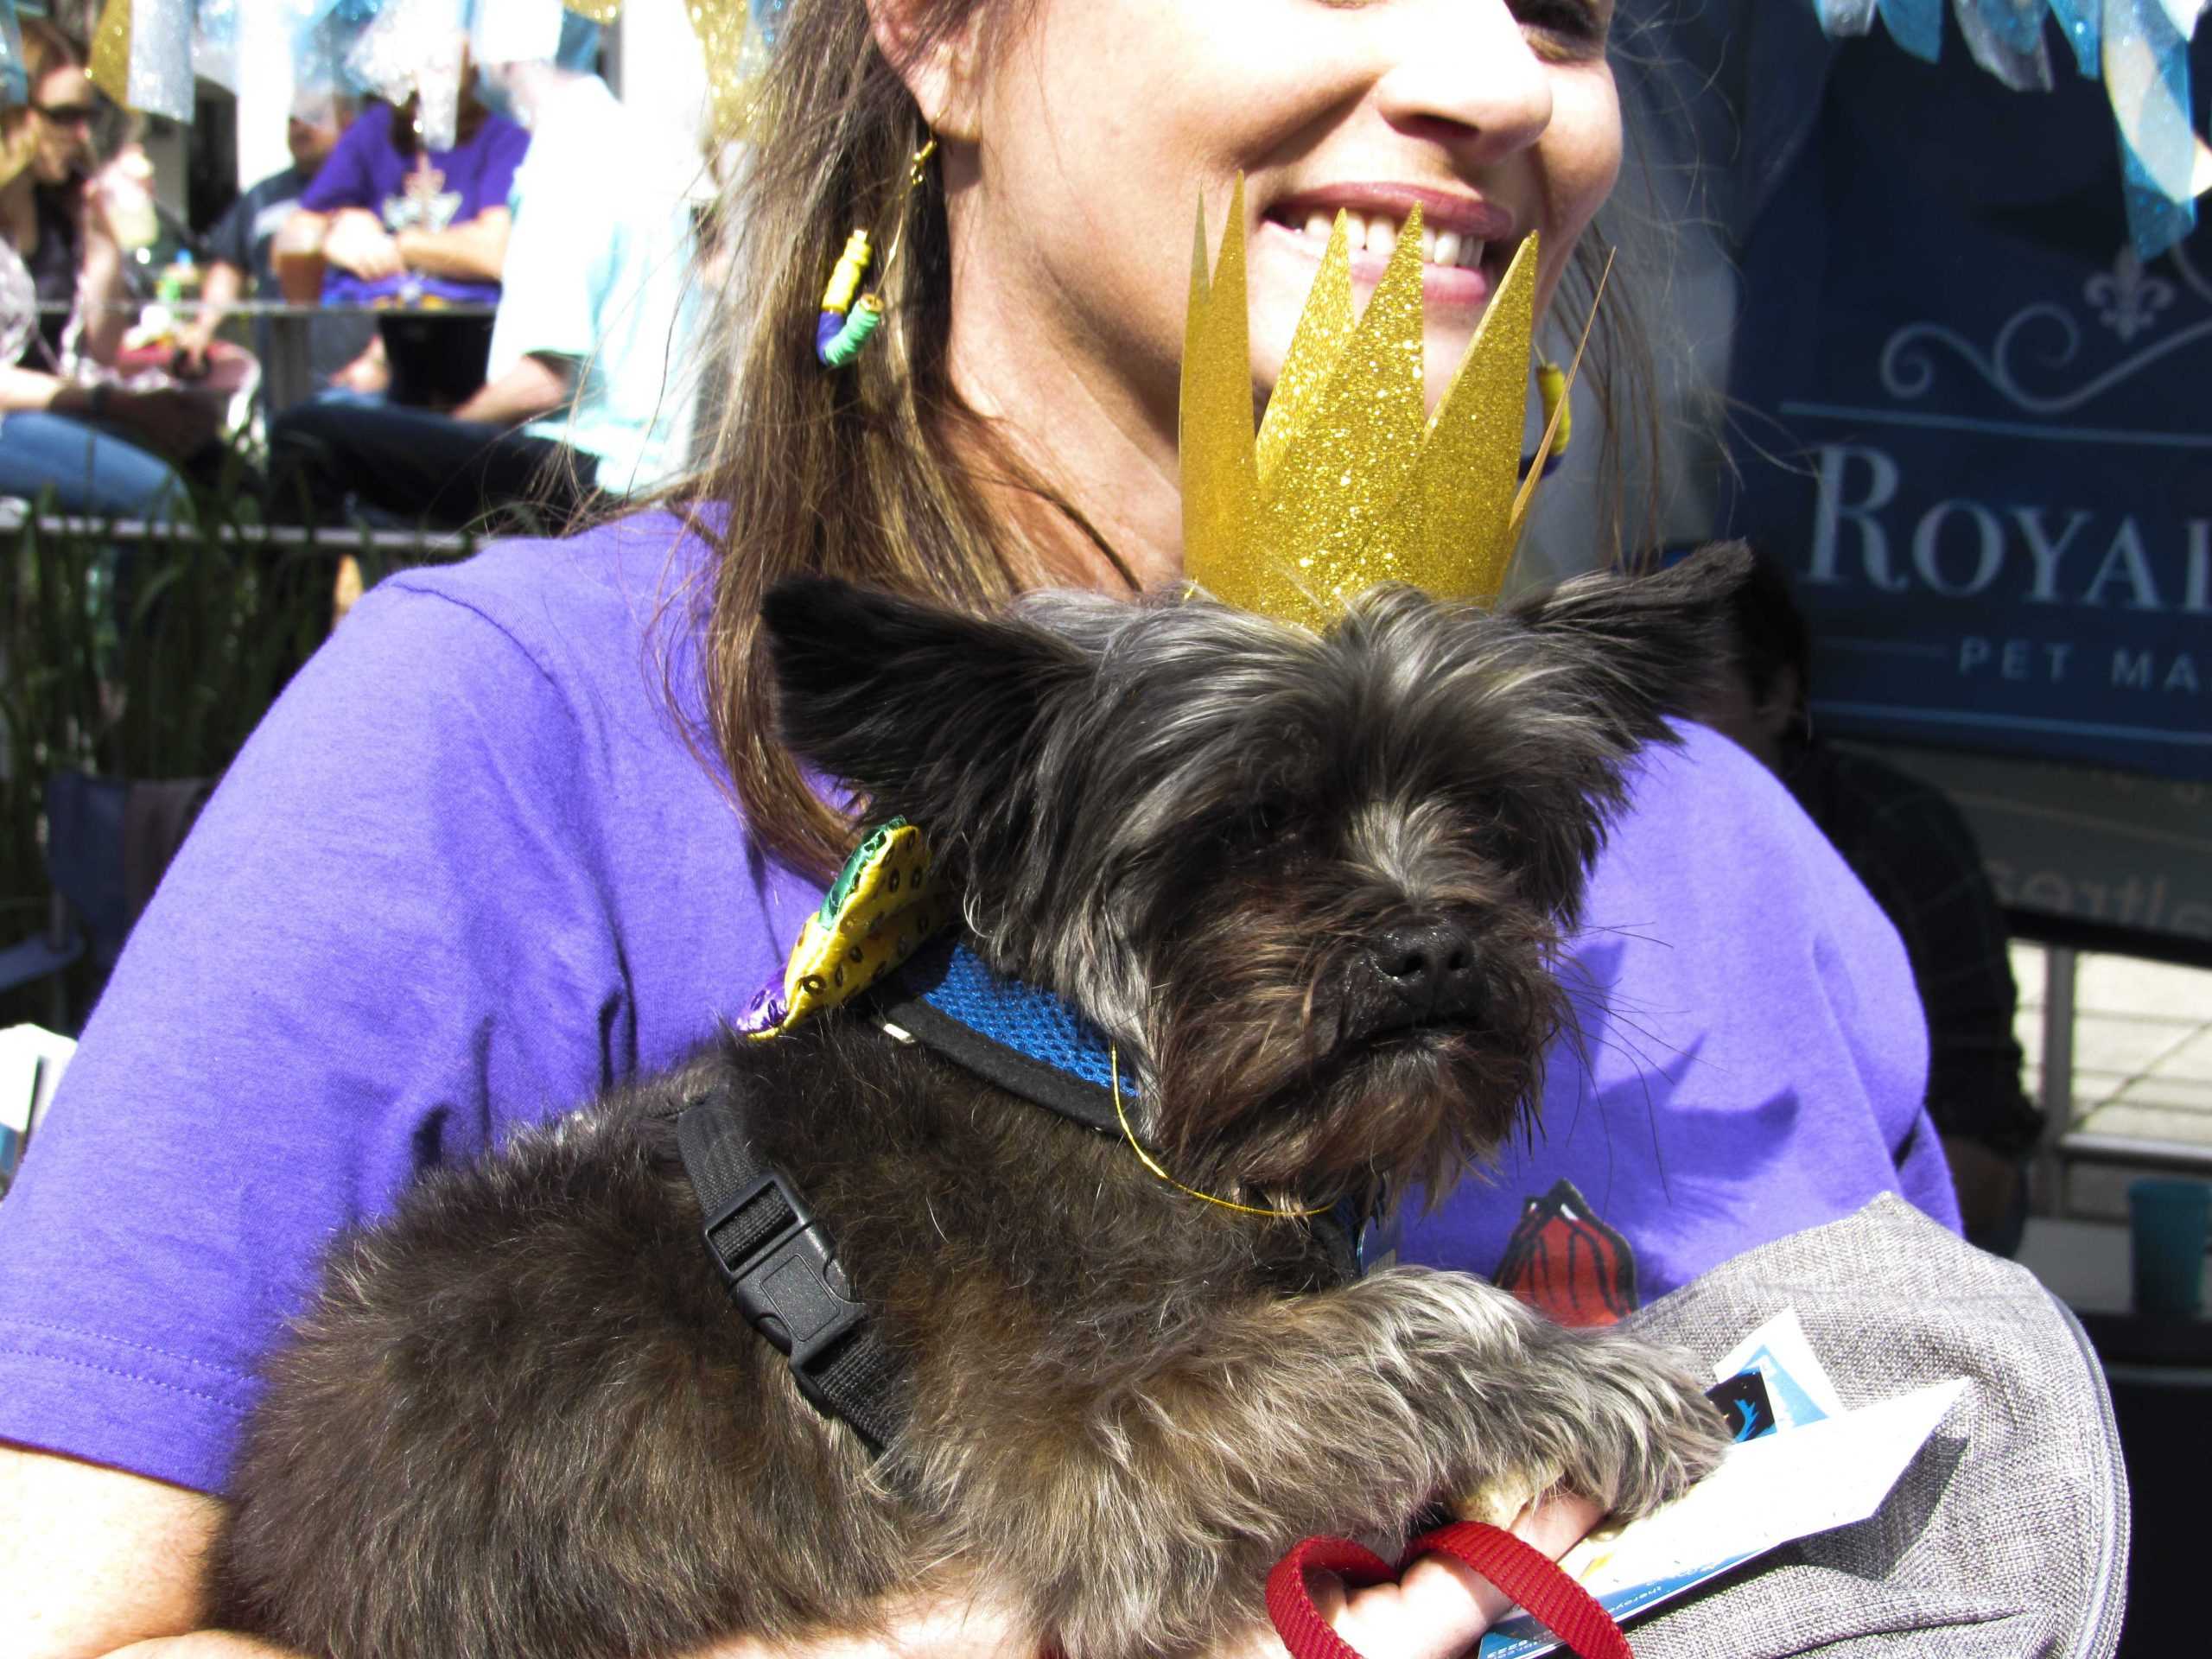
1645, 645
925, 710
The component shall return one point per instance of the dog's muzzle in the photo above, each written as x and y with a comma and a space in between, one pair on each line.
1420, 973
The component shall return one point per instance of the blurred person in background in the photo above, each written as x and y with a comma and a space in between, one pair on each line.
1915, 854
392, 218
589, 389
239, 248
99, 448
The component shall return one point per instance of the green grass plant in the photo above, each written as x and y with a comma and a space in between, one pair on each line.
143, 656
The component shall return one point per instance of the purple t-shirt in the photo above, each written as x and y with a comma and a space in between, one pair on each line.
469, 871
431, 190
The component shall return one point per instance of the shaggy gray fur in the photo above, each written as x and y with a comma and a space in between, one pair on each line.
1313, 888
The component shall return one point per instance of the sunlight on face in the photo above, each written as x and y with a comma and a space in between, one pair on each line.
65, 100
1102, 127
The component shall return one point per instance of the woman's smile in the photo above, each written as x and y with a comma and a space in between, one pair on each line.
1466, 242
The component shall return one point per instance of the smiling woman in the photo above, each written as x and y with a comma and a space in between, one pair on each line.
482, 862
1028, 377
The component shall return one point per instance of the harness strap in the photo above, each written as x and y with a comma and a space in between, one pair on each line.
779, 1266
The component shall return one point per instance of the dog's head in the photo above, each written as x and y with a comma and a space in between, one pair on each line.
1312, 886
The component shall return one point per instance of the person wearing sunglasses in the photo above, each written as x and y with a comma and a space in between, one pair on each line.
94, 447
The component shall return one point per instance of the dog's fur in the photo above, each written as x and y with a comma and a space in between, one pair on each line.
1313, 888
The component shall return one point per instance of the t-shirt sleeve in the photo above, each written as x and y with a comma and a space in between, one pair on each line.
344, 180
387, 935
554, 270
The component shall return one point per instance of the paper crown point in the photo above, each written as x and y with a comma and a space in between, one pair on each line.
1349, 482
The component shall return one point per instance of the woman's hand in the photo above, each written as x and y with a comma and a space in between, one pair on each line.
369, 373
1439, 1609
357, 243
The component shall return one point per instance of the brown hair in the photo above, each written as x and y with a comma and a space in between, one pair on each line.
879, 474
46, 49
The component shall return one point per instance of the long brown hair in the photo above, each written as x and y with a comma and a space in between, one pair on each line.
866, 475
879, 473
46, 49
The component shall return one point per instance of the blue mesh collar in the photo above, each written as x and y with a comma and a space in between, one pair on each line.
1037, 1045
1029, 1041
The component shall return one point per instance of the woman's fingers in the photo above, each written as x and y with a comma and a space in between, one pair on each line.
1441, 1607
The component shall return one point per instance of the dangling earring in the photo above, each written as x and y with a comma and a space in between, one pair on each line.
847, 324
1551, 386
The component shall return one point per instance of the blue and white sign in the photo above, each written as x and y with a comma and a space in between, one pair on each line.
1975, 427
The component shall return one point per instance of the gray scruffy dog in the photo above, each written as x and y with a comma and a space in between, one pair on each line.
1313, 889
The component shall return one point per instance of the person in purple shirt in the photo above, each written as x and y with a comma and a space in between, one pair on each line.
392, 215
522, 829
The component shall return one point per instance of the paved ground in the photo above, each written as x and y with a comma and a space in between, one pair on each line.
2142, 1057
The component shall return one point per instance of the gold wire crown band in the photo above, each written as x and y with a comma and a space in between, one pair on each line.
1114, 1073
1349, 482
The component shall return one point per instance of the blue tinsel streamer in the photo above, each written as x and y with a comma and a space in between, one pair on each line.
2156, 220
15, 87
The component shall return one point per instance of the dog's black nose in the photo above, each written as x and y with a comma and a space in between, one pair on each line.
1430, 967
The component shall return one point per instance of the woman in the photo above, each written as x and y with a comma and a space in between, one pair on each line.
99, 448
482, 858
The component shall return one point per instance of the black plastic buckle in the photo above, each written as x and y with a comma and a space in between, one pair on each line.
788, 1287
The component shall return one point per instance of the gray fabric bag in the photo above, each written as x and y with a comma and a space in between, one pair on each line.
2006, 1538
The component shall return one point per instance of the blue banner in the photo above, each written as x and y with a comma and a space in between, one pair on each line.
1976, 427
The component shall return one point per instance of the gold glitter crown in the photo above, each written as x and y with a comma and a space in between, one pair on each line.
1349, 482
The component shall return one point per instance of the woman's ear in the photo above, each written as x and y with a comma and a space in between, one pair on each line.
941, 70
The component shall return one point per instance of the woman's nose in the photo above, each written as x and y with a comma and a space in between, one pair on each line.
1465, 71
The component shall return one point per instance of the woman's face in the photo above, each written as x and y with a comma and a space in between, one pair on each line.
1104, 122
64, 103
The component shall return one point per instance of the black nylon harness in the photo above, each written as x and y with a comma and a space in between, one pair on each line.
780, 1267
779, 1264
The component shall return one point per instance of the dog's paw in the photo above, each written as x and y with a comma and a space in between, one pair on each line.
1639, 1428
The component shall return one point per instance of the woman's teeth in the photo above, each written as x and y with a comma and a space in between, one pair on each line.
1379, 235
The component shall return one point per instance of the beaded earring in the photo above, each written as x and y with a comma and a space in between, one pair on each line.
1559, 418
847, 323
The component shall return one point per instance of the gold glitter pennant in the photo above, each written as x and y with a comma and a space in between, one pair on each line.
1349, 483
1466, 482
1216, 411
1323, 327
725, 41
1326, 513
602, 12
109, 69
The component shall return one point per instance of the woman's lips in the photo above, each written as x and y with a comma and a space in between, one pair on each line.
1465, 280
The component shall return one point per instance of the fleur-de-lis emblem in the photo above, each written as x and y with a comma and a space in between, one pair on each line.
2127, 297
424, 202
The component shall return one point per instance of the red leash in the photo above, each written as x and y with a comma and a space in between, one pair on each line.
1526, 1574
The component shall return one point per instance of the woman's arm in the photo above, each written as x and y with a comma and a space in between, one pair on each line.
33, 389
354, 239
474, 252
225, 288
93, 1560
100, 286
98, 1564
170, 421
